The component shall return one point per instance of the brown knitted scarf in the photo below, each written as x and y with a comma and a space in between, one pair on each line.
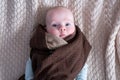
56, 59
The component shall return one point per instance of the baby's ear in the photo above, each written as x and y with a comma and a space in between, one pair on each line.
43, 27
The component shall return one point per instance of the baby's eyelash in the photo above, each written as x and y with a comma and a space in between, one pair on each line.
67, 24
54, 25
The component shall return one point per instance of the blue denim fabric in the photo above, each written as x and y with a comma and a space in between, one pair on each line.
83, 73
29, 73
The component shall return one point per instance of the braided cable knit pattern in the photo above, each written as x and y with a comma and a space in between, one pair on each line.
99, 20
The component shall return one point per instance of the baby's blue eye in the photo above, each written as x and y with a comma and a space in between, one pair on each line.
54, 25
67, 24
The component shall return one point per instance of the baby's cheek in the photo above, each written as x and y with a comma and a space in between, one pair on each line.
53, 31
71, 30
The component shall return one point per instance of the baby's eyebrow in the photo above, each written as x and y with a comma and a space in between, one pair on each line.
71, 20
54, 22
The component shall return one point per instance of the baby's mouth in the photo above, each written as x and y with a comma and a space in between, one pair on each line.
62, 35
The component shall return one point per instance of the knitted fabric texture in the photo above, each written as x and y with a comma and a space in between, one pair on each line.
99, 20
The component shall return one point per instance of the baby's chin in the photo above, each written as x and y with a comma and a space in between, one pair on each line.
65, 37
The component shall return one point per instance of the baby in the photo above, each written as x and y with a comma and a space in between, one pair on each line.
59, 49
60, 22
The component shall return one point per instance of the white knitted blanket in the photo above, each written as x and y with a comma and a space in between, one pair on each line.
98, 19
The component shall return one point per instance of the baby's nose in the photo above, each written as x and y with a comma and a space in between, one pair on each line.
62, 28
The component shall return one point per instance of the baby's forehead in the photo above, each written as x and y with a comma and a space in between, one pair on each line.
59, 13
59, 10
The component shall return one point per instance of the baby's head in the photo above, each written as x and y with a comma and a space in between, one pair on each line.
60, 22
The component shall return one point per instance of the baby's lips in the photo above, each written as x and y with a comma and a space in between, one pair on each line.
62, 35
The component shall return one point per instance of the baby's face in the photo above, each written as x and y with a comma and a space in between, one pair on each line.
60, 22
